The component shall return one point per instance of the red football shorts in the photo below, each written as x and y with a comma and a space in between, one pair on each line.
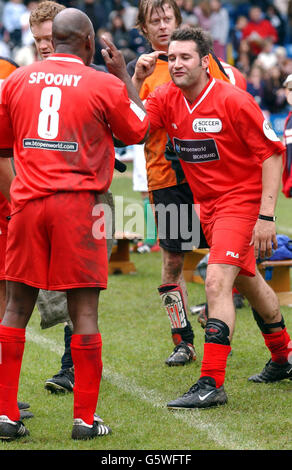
229, 240
50, 243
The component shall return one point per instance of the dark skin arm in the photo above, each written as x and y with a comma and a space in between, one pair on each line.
116, 65
6, 176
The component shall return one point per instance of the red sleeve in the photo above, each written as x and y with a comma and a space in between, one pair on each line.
128, 121
6, 132
256, 131
153, 108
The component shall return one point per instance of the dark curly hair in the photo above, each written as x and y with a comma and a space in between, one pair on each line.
195, 34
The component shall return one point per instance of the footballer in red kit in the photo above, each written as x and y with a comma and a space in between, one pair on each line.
64, 159
231, 158
54, 145
223, 181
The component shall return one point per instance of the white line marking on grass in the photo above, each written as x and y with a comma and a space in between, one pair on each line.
203, 420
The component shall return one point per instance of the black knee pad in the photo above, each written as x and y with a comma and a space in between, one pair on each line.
217, 331
266, 327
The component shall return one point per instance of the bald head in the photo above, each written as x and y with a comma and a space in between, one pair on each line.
73, 33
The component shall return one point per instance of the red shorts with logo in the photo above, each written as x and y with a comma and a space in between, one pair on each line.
229, 240
51, 246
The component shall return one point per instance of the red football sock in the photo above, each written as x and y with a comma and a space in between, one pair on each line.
279, 344
86, 355
12, 341
214, 362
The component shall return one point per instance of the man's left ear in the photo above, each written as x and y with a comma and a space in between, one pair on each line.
205, 62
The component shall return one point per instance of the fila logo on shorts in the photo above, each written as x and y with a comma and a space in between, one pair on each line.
232, 254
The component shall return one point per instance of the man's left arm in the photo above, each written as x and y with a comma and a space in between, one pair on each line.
264, 234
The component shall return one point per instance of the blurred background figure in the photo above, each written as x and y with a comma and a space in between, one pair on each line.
219, 27
257, 29
12, 12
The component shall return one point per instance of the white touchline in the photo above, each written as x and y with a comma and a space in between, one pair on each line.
222, 434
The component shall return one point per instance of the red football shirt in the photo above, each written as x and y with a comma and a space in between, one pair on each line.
222, 139
63, 115
234, 75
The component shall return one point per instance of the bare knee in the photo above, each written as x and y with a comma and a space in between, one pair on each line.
214, 285
219, 282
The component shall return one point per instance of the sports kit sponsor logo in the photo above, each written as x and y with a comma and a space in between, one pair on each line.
232, 254
50, 145
196, 151
203, 397
207, 125
269, 131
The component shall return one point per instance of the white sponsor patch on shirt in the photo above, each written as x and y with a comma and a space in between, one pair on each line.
138, 111
269, 132
207, 125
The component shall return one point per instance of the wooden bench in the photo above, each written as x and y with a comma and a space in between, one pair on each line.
120, 262
191, 261
280, 280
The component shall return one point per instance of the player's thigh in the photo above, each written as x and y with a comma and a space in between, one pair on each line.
229, 239
28, 248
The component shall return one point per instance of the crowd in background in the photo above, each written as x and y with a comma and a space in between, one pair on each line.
255, 36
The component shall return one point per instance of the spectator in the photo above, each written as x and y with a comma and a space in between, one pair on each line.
26, 34
180, 4
25, 55
137, 42
257, 29
268, 57
236, 35
1, 16
284, 62
128, 13
203, 12
119, 32
187, 13
5, 49
243, 62
255, 85
95, 11
219, 28
276, 20
12, 12
274, 93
